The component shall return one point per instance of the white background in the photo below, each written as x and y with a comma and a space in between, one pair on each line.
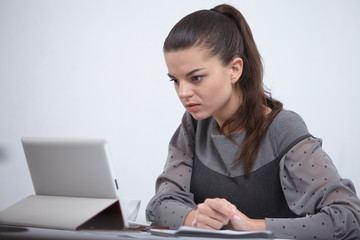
95, 69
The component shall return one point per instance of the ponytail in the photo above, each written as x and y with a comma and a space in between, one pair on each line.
251, 114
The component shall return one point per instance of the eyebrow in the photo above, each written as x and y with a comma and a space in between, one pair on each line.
189, 73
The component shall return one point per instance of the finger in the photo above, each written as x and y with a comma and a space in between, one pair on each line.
221, 206
208, 223
204, 226
205, 210
194, 223
239, 221
233, 207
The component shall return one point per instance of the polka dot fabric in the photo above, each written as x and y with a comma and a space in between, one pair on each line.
315, 191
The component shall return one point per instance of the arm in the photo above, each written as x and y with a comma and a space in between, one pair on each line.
173, 200
327, 204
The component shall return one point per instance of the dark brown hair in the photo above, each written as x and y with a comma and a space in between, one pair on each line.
226, 34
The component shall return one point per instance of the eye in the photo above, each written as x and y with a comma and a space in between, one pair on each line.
197, 78
174, 80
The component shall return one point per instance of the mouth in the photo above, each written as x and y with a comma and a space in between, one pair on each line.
191, 107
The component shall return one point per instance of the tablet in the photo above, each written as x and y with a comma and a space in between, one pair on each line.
72, 167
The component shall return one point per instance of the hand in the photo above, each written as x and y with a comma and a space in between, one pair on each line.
212, 214
241, 222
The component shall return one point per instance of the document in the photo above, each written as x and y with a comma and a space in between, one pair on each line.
198, 232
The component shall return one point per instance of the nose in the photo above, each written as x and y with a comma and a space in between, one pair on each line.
184, 89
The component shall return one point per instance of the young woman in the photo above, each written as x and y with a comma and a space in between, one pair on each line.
239, 160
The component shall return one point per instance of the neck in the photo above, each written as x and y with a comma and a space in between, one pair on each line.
229, 111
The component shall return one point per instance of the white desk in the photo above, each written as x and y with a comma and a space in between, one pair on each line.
19, 233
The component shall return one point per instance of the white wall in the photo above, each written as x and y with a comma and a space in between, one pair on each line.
95, 69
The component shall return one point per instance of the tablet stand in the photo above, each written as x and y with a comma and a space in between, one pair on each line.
71, 213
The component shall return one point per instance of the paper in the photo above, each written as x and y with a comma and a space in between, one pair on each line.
198, 232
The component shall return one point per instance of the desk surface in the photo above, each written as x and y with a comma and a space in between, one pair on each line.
18, 233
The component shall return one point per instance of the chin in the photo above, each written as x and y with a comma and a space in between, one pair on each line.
199, 116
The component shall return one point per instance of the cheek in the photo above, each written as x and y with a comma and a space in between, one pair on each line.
221, 88
221, 94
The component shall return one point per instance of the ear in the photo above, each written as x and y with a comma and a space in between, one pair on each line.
236, 69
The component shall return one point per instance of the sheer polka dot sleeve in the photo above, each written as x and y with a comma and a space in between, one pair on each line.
173, 200
327, 205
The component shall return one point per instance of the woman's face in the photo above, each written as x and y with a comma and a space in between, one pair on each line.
204, 85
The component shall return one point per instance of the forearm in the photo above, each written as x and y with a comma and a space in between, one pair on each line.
318, 226
189, 218
171, 214
256, 225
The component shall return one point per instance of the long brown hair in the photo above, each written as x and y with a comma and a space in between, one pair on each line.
225, 33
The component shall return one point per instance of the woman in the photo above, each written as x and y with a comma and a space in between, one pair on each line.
239, 160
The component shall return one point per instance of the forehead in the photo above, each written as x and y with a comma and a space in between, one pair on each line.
188, 59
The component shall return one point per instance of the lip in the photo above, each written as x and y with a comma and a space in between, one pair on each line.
191, 107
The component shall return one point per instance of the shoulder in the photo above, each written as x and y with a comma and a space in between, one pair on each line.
290, 119
286, 129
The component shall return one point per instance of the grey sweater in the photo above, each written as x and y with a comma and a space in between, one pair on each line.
293, 183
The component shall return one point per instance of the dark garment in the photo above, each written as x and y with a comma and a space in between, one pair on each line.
259, 196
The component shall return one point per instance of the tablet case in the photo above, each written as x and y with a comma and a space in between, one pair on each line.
75, 187
70, 213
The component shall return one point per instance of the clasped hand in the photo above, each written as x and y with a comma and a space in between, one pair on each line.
216, 213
